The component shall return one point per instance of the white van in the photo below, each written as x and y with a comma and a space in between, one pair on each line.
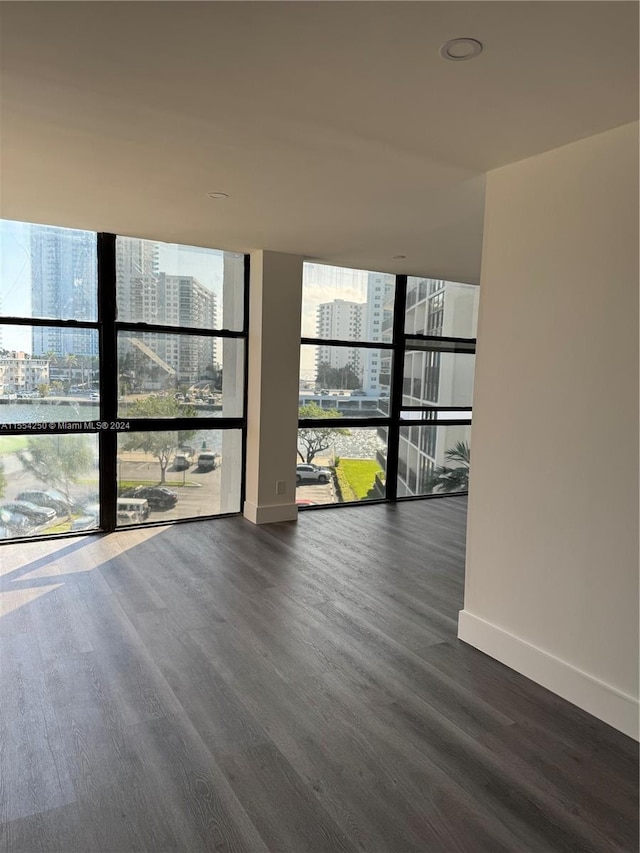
132, 510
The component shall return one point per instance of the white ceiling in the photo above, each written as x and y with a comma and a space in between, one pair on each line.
335, 127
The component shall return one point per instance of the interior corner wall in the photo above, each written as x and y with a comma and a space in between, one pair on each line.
552, 551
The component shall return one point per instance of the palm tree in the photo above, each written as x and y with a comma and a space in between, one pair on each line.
446, 478
71, 361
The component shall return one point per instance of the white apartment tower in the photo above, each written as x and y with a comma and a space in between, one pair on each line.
378, 326
136, 280
340, 320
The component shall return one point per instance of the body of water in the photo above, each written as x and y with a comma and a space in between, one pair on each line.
37, 411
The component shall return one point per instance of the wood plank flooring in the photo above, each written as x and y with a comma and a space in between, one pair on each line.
218, 686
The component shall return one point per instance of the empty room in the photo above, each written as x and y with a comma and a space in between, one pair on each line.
319, 427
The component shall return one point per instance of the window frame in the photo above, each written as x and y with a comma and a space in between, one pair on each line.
398, 347
108, 326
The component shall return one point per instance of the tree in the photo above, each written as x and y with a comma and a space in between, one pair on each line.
337, 377
43, 389
448, 479
58, 460
72, 360
314, 440
3, 479
158, 444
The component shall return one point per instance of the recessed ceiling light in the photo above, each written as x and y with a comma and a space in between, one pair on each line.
457, 50
218, 195
399, 257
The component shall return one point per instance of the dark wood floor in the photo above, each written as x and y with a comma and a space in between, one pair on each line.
218, 686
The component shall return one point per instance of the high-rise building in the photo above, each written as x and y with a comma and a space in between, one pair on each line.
182, 301
435, 377
378, 326
340, 320
136, 280
64, 287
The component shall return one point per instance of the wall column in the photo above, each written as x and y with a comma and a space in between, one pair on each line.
274, 367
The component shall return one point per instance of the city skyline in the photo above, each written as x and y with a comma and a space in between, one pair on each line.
17, 272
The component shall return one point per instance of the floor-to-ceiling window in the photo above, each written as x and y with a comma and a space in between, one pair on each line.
386, 384
347, 331
122, 381
434, 404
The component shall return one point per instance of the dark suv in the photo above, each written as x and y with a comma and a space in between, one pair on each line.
158, 497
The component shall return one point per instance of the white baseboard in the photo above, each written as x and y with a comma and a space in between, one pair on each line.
592, 695
268, 514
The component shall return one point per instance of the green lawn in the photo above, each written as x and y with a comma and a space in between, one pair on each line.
11, 443
356, 478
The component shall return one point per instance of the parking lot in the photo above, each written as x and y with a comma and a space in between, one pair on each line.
317, 493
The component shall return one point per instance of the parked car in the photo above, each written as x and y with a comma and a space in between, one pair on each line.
158, 497
313, 473
208, 460
16, 522
181, 462
49, 499
358, 393
38, 514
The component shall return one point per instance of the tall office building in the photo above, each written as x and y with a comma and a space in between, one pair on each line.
64, 287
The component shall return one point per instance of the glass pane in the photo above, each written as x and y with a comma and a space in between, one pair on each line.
351, 380
433, 460
48, 374
47, 272
48, 484
436, 307
346, 304
168, 376
166, 475
337, 465
179, 285
438, 378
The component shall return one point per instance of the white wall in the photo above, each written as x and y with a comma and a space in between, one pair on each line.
552, 554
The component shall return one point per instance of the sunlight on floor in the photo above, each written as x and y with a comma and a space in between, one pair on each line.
25, 565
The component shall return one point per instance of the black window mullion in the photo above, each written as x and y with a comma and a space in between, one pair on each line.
245, 370
393, 437
48, 322
187, 331
108, 438
178, 424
